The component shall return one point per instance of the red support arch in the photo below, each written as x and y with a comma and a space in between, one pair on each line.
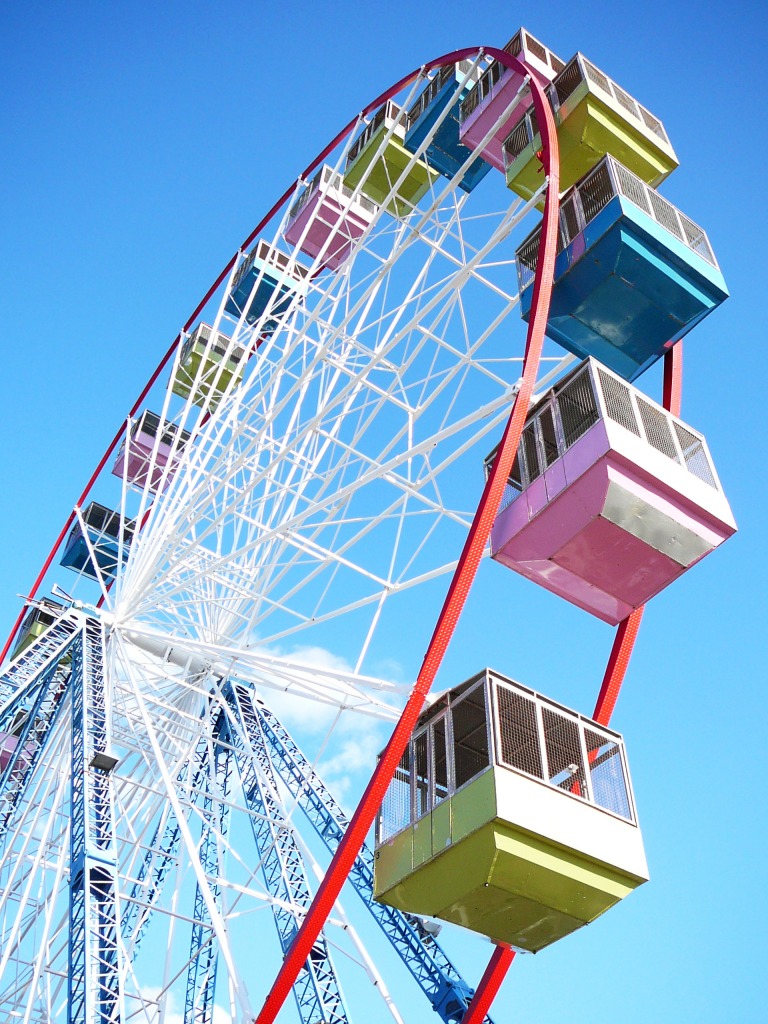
627, 631
468, 562
465, 572
618, 662
494, 974
673, 379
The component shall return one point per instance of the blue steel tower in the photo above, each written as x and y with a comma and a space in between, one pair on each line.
274, 552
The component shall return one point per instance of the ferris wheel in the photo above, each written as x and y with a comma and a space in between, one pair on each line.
265, 551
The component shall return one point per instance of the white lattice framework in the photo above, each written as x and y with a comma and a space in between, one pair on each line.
325, 499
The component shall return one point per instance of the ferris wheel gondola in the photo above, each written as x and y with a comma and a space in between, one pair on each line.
304, 487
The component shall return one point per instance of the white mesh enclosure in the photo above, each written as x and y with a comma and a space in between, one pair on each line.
572, 408
565, 762
420, 775
607, 773
618, 401
582, 202
440, 788
695, 454
561, 748
518, 731
469, 719
578, 408
395, 811
517, 140
495, 721
450, 749
658, 431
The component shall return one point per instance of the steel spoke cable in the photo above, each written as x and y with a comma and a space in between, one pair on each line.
283, 403
363, 817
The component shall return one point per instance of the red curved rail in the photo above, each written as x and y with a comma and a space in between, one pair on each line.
279, 203
468, 563
618, 662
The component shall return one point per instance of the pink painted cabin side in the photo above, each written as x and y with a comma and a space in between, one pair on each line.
613, 520
8, 744
497, 89
328, 219
138, 447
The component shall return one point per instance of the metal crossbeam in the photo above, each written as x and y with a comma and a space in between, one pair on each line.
44, 652
93, 984
29, 715
440, 981
214, 766
159, 859
317, 990
154, 868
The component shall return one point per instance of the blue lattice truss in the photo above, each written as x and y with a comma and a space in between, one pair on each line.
65, 668
212, 769
47, 651
238, 731
437, 977
94, 981
34, 689
317, 991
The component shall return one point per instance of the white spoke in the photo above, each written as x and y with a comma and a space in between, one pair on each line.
285, 531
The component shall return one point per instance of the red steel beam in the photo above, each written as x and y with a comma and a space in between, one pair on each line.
626, 634
618, 662
627, 630
463, 577
673, 379
494, 974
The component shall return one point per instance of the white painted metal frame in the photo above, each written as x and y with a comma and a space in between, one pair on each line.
338, 479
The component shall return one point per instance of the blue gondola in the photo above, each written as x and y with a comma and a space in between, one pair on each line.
103, 531
632, 275
277, 281
444, 153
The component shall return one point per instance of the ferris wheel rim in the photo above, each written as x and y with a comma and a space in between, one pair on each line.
342, 134
438, 62
362, 819
413, 76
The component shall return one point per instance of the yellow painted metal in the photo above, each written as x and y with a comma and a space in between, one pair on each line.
496, 878
422, 841
218, 371
386, 169
589, 125
33, 632
442, 826
394, 860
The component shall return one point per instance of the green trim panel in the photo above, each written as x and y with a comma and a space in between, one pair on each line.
385, 173
496, 878
442, 827
394, 861
422, 841
473, 806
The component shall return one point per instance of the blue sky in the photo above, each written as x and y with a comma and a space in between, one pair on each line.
141, 142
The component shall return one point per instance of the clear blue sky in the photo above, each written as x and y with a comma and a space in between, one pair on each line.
142, 141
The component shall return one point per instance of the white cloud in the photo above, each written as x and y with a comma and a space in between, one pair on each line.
172, 1015
350, 757
310, 717
346, 742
